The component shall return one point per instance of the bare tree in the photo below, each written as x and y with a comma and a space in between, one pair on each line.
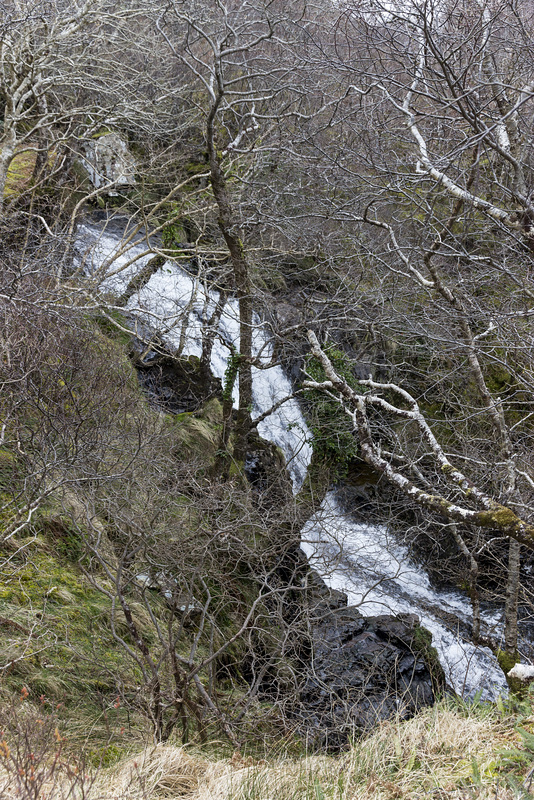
419, 157
239, 57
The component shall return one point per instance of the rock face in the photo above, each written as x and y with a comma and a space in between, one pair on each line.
363, 670
265, 469
175, 385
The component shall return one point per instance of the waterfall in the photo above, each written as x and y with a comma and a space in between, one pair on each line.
175, 300
378, 576
364, 561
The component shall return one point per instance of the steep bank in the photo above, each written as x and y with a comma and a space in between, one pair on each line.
445, 752
143, 593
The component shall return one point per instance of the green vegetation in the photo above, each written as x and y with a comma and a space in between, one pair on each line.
123, 592
333, 433
19, 173
151, 583
422, 644
451, 751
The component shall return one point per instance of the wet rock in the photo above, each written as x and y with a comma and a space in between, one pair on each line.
108, 162
363, 670
175, 385
265, 464
266, 471
321, 599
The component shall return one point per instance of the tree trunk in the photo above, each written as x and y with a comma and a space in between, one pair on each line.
512, 595
7, 151
141, 279
209, 332
230, 230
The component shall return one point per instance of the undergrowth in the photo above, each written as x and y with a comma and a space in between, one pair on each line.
452, 751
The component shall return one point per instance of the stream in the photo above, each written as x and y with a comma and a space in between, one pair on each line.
364, 561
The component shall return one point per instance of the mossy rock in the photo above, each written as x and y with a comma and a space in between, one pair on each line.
196, 437
422, 644
212, 412
506, 662
19, 173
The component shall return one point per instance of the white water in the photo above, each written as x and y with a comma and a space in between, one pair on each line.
176, 302
376, 573
363, 561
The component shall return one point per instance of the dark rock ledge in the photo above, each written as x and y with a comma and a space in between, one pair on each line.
363, 670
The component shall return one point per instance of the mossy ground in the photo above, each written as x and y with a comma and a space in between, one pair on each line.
56, 597
55, 629
56, 639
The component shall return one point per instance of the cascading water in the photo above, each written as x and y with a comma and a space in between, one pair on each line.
177, 302
378, 576
362, 560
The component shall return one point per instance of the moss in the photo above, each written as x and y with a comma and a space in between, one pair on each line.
82, 176
498, 379
333, 434
197, 433
10, 468
106, 756
70, 650
236, 470
506, 662
102, 132
196, 436
499, 517
19, 173
212, 412
114, 332
422, 645
195, 167
63, 535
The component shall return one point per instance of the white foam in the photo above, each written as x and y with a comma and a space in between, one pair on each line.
376, 573
176, 302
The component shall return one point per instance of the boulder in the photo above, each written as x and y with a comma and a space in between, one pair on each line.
364, 670
522, 672
174, 385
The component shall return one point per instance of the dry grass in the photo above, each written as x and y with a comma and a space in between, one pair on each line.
436, 754
441, 753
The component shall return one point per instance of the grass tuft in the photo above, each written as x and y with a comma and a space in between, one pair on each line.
442, 753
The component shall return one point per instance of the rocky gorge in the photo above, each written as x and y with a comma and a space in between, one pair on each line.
358, 669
